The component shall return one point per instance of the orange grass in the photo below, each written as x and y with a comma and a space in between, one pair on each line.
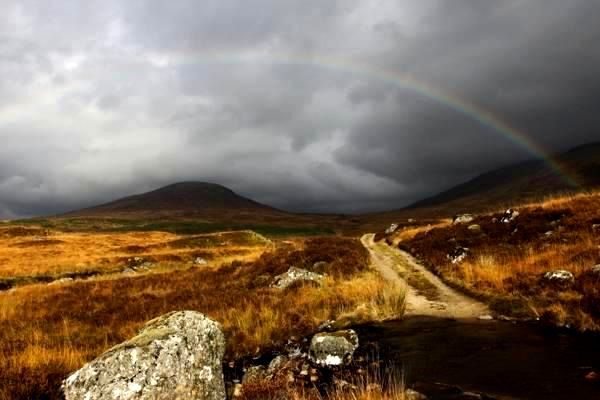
49, 331
56, 253
508, 260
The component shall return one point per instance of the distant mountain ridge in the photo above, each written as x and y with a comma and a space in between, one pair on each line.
183, 197
521, 182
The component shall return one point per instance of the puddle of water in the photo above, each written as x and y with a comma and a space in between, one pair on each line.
519, 361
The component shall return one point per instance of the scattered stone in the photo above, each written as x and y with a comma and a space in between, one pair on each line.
295, 275
178, 355
462, 218
331, 349
200, 261
509, 216
392, 228
458, 255
560, 277
474, 227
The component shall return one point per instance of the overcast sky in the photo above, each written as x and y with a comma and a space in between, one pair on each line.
289, 102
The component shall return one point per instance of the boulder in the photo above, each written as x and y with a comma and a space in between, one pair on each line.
559, 277
462, 218
296, 275
391, 229
332, 349
509, 216
458, 255
176, 356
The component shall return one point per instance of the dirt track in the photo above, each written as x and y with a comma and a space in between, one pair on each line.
426, 294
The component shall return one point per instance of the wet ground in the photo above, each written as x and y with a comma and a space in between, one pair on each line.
503, 359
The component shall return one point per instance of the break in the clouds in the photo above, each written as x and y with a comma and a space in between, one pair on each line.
298, 104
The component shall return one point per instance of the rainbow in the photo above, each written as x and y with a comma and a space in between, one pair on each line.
408, 82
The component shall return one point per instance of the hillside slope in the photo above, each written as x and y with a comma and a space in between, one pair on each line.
179, 198
520, 183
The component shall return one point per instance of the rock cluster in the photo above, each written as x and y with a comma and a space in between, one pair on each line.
176, 356
321, 362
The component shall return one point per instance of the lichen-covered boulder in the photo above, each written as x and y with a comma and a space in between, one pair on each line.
295, 276
176, 356
331, 349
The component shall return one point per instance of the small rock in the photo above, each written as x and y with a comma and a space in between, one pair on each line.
295, 275
559, 277
593, 377
326, 326
200, 261
331, 349
509, 216
474, 227
410, 394
392, 228
412, 220
596, 227
549, 233
462, 218
486, 318
595, 270
458, 255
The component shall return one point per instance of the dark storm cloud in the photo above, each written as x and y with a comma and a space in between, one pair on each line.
100, 99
